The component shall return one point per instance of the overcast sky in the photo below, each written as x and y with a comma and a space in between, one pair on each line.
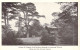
43, 8
47, 8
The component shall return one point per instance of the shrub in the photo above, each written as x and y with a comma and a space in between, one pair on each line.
47, 39
10, 39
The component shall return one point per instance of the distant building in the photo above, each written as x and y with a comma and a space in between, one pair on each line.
54, 31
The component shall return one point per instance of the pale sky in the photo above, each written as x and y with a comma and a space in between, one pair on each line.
47, 8
43, 8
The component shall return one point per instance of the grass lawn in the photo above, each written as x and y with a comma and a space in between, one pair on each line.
30, 40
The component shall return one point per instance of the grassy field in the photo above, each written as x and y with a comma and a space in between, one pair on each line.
30, 40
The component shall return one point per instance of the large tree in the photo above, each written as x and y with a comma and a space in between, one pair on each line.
14, 8
29, 11
68, 21
8, 12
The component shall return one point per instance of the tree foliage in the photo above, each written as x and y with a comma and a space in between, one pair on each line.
11, 11
68, 21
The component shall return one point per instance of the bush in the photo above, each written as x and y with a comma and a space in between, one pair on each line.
10, 39
47, 39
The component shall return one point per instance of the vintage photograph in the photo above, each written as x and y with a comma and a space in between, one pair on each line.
39, 23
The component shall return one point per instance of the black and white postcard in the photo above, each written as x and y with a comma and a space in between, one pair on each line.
34, 25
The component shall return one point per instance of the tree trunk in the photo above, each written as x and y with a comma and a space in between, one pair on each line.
4, 17
7, 19
19, 27
27, 25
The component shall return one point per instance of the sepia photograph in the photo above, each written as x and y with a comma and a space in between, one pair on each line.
39, 23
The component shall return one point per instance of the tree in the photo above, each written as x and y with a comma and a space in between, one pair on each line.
35, 28
68, 21
30, 11
9, 12
8, 7
14, 8
47, 38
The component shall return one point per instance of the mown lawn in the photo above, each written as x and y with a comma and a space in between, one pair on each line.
30, 40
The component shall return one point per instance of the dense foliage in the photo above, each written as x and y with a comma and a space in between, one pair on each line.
68, 21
